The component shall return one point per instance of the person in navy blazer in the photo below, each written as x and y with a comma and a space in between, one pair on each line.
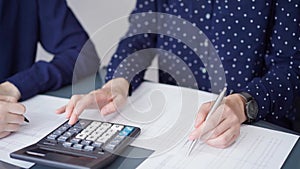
24, 24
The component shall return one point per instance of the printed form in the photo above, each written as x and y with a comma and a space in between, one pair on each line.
166, 116
255, 148
40, 112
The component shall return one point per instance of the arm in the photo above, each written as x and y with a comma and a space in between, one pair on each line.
62, 35
275, 92
123, 68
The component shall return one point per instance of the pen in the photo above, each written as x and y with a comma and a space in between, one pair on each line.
211, 111
26, 120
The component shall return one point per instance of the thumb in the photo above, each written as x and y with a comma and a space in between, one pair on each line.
8, 98
114, 105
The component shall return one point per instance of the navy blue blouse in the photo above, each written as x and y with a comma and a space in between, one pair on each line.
257, 41
25, 23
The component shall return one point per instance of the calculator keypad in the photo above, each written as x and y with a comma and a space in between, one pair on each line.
88, 136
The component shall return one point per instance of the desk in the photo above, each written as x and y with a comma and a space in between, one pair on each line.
122, 162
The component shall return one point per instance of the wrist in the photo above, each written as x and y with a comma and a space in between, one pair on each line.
9, 89
242, 104
250, 107
120, 85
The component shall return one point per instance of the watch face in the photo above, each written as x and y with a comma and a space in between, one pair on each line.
252, 109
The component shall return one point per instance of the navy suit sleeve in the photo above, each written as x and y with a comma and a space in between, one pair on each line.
60, 34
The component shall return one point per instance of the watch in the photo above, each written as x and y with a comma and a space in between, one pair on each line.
251, 107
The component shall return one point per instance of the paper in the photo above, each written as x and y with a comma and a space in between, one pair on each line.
255, 148
40, 112
165, 114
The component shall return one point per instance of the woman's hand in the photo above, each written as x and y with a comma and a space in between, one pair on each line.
11, 112
223, 126
108, 99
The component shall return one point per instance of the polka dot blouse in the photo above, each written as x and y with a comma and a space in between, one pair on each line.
257, 42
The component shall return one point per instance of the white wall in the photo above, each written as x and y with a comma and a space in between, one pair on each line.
97, 14
106, 22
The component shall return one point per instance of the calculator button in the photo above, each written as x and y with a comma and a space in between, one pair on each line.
89, 148
119, 138
74, 130
96, 123
97, 133
62, 139
97, 144
110, 147
101, 130
67, 144
102, 139
86, 131
129, 129
58, 132
91, 127
117, 127
82, 123
92, 138
105, 125
81, 136
126, 131
68, 134
111, 131
62, 129
75, 140
86, 142
52, 137
77, 146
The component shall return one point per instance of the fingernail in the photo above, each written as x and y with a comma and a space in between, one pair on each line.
192, 137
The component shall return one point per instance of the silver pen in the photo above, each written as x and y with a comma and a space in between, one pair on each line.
211, 111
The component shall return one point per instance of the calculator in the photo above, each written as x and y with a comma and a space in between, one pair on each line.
88, 144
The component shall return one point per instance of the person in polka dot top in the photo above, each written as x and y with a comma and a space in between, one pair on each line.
257, 43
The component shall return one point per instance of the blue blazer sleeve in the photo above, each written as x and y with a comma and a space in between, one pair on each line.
60, 34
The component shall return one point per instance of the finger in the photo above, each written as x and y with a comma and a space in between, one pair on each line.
109, 108
14, 118
196, 133
114, 105
16, 108
11, 127
214, 120
8, 98
4, 134
225, 139
217, 131
70, 106
73, 119
79, 107
205, 128
203, 111
61, 109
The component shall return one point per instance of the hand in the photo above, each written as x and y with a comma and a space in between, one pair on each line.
223, 126
11, 112
110, 97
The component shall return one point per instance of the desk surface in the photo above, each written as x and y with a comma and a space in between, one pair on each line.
122, 162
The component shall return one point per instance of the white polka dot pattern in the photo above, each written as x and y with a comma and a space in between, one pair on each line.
258, 42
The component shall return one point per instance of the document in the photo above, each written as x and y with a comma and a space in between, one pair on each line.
164, 113
255, 148
40, 111
166, 116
